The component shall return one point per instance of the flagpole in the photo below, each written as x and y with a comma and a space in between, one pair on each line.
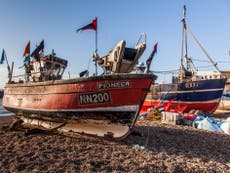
96, 52
92, 25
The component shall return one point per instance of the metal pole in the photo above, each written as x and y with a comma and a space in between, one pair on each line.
96, 52
182, 45
183, 35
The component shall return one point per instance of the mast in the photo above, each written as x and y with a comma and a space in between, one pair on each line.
96, 52
185, 42
182, 44
185, 72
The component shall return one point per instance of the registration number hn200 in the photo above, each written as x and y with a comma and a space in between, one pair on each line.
94, 98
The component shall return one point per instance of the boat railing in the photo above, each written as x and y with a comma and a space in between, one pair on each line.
43, 75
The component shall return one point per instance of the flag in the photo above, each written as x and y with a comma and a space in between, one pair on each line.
3, 57
149, 60
92, 25
26, 54
26, 60
26, 50
39, 48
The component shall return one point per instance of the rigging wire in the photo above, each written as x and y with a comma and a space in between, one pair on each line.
177, 70
198, 60
170, 71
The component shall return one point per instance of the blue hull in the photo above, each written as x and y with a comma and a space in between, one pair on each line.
201, 95
195, 91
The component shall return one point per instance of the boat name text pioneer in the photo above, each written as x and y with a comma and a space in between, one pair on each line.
106, 85
94, 98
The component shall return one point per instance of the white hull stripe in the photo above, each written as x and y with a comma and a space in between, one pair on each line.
130, 108
193, 102
193, 91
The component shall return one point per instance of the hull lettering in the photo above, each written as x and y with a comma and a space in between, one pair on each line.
94, 98
107, 85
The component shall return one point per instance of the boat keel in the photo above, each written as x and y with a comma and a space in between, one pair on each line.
97, 128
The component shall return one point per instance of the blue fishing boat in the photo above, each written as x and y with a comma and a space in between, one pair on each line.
188, 91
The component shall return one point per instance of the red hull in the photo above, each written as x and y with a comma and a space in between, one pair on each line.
70, 95
208, 107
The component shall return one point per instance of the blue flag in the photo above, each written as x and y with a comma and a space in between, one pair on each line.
26, 61
3, 56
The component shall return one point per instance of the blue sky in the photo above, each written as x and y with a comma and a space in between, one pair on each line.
56, 22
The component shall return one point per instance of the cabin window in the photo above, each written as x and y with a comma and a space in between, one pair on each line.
61, 71
48, 65
130, 54
56, 69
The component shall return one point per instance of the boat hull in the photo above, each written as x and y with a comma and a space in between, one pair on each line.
201, 95
109, 99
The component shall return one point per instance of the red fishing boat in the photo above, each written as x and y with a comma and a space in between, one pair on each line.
103, 105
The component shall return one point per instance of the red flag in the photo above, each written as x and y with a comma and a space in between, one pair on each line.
92, 25
27, 50
149, 60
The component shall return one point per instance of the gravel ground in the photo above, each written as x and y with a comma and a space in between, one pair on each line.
152, 147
